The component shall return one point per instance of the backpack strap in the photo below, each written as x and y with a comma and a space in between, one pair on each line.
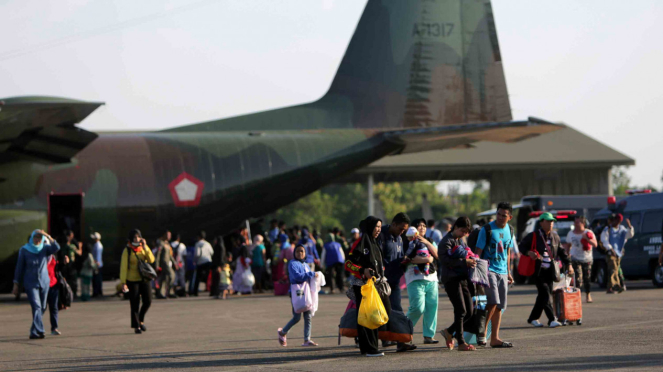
488, 229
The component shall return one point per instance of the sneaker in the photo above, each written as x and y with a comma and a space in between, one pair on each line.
554, 324
535, 323
143, 328
309, 343
55, 332
138, 331
375, 355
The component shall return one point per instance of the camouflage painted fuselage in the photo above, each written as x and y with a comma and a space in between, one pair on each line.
127, 180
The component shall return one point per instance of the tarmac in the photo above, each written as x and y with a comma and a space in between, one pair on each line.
619, 332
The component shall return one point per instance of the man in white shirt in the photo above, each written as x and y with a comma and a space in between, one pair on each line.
203, 259
579, 244
614, 238
97, 250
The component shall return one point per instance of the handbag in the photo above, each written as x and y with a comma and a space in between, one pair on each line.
527, 265
146, 270
301, 297
556, 277
383, 287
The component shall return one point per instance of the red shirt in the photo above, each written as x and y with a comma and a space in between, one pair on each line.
51, 271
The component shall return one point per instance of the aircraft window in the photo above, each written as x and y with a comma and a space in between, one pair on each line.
652, 222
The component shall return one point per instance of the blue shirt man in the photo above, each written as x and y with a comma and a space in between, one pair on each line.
433, 234
392, 254
273, 234
496, 249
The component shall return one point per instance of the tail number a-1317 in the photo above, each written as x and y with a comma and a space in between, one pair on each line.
432, 29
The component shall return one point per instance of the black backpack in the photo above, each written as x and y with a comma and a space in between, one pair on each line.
474, 235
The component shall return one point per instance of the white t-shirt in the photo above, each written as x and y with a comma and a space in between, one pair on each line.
410, 276
577, 253
179, 249
204, 252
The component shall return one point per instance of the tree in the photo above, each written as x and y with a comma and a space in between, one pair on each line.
345, 205
620, 180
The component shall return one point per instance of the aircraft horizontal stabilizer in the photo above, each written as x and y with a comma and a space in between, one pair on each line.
42, 129
455, 136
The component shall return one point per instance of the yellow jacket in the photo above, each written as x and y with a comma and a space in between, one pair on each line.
133, 275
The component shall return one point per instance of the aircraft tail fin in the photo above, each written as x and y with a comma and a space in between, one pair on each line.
409, 64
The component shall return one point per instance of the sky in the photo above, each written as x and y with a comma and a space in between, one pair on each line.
592, 64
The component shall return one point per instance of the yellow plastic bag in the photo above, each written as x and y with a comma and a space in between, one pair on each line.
372, 313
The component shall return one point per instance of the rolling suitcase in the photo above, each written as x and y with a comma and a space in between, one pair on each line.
567, 303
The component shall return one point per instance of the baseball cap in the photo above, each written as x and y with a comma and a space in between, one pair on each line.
547, 217
354, 231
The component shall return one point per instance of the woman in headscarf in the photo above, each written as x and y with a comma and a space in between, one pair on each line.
365, 261
243, 264
31, 270
133, 282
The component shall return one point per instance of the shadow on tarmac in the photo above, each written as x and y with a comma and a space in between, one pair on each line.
592, 363
153, 361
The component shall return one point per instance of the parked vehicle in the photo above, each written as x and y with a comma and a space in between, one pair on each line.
645, 211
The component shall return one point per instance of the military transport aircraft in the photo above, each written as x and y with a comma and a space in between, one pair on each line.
417, 75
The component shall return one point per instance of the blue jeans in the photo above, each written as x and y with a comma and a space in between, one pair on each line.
53, 297
37, 297
395, 297
295, 319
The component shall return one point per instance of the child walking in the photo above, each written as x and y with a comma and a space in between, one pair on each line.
225, 281
298, 272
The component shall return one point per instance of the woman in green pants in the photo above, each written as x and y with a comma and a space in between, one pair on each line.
421, 280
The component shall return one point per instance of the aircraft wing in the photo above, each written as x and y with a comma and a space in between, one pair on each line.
455, 136
43, 129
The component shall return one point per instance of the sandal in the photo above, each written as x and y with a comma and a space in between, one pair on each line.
466, 347
309, 343
504, 344
448, 339
282, 338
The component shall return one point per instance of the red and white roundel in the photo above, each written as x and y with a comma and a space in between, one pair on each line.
186, 190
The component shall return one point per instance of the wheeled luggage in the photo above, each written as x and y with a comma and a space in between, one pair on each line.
567, 303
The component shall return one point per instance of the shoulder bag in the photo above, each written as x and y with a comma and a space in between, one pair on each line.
527, 265
553, 261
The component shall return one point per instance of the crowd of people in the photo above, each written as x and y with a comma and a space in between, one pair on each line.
417, 255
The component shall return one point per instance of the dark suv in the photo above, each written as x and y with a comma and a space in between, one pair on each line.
641, 252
